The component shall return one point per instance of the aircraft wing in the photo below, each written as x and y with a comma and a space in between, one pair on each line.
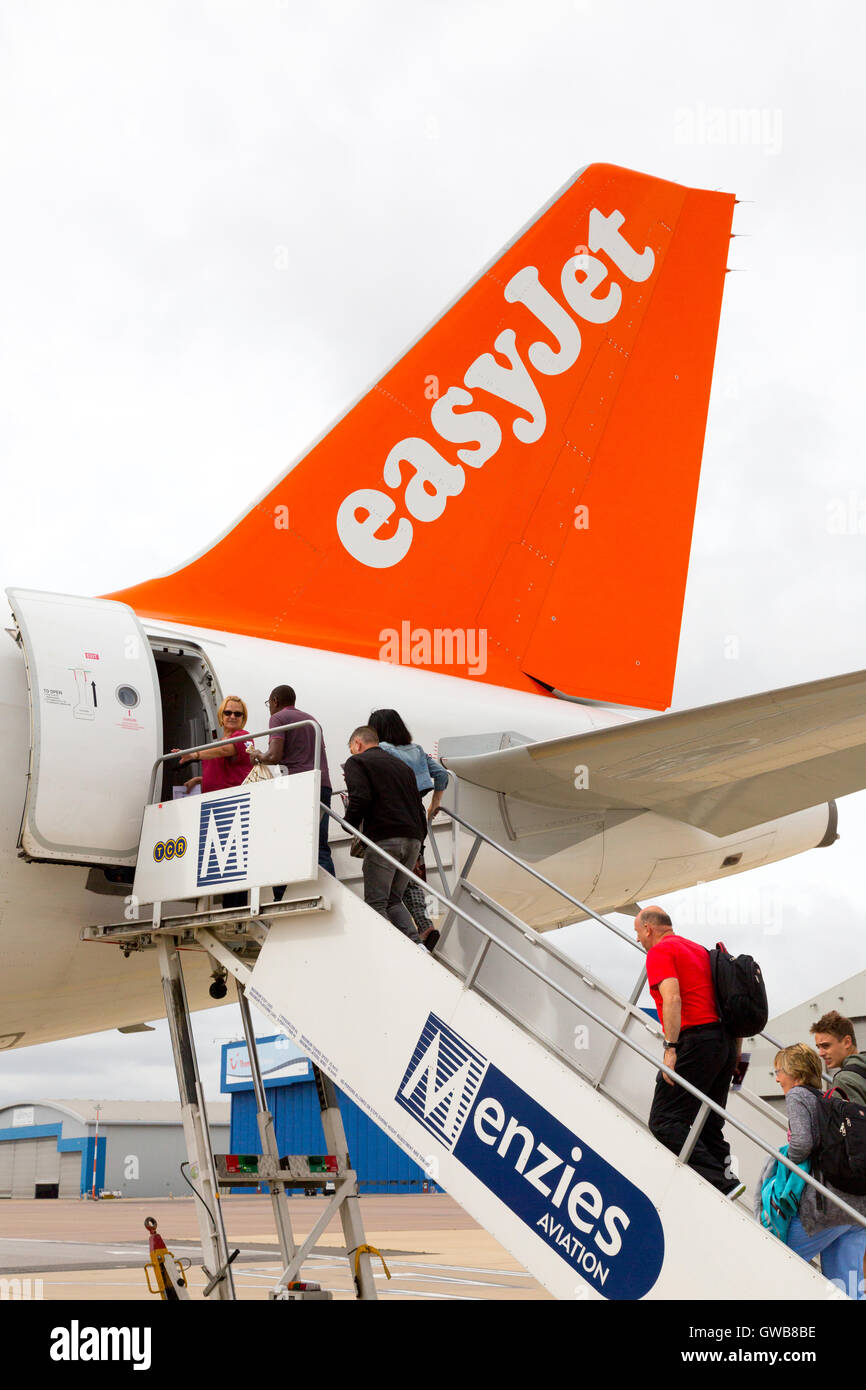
720, 767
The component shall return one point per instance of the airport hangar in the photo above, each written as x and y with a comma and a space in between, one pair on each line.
47, 1147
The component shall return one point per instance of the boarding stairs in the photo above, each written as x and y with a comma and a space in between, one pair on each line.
519, 1080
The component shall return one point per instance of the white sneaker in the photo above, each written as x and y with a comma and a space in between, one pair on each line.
736, 1191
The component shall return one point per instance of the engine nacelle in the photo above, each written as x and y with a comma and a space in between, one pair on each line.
610, 859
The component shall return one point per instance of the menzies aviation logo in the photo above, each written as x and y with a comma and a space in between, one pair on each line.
604, 1227
224, 840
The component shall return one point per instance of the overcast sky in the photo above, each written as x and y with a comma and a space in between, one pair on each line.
222, 221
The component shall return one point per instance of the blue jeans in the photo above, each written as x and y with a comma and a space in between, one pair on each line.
326, 859
841, 1249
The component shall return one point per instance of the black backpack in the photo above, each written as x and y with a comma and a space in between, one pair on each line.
741, 996
841, 1152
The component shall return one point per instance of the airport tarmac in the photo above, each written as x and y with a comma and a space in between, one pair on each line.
83, 1250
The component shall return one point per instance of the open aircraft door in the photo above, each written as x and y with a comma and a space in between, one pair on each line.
95, 727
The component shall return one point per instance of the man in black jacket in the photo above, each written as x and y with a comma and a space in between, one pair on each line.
385, 803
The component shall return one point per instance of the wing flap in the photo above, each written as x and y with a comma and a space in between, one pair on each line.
722, 767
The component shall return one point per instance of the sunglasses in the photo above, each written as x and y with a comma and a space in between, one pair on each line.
233, 714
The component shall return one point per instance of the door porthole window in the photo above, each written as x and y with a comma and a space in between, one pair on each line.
128, 696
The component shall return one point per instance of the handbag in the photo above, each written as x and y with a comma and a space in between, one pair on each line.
260, 772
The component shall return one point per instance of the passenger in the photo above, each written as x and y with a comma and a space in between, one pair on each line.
223, 764
385, 803
697, 1047
395, 738
430, 775
819, 1228
296, 750
836, 1044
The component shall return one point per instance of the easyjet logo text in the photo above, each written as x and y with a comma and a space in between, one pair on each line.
424, 478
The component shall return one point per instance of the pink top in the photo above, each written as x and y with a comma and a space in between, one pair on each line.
219, 773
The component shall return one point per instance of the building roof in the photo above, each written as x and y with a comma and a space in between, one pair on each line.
848, 997
128, 1112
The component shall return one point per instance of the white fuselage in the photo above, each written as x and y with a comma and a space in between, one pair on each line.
55, 986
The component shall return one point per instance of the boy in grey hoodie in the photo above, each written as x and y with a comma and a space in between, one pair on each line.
836, 1044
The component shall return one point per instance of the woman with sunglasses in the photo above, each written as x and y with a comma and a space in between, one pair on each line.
223, 765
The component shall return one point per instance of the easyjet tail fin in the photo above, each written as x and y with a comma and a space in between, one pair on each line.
513, 500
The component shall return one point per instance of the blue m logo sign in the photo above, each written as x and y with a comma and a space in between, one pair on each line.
441, 1080
224, 835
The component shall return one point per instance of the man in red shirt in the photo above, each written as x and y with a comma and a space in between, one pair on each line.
697, 1047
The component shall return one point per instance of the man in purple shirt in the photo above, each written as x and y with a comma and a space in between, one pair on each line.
296, 750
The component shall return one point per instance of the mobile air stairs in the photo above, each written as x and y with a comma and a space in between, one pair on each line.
516, 1078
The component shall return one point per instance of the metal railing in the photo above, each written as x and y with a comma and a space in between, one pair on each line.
548, 883
279, 732
706, 1103
461, 879
481, 836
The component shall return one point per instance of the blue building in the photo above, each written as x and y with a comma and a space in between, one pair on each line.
293, 1101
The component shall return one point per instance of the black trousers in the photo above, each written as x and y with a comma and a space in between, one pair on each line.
706, 1057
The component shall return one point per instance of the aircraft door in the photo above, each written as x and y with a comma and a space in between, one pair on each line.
95, 727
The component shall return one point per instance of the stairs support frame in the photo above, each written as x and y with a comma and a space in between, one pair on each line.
195, 1127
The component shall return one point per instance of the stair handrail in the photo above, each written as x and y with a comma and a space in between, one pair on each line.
564, 893
277, 732
597, 1018
542, 878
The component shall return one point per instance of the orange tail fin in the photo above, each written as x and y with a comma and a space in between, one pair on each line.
513, 500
